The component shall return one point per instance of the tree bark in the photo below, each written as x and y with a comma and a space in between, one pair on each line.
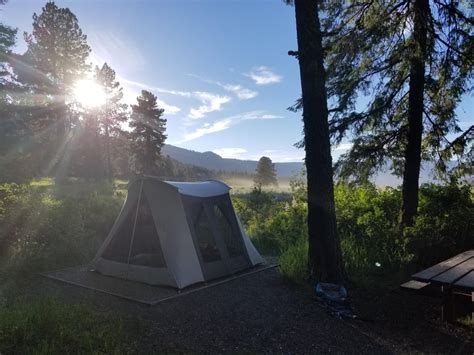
325, 260
108, 160
412, 163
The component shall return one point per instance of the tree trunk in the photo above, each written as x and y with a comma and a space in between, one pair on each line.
411, 171
108, 162
325, 260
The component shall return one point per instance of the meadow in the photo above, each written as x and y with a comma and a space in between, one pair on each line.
44, 226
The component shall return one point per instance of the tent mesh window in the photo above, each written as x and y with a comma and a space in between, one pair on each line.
119, 246
229, 235
146, 248
205, 237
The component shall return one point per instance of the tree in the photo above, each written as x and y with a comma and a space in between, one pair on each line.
8, 122
54, 60
113, 114
325, 259
147, 135
414, 57
265, 174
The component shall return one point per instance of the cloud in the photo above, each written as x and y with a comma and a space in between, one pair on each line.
241, 92
225, 123
263, 76
230, 152
169, 109
343, 146
130, 97
259, 115
207, 129
210, 103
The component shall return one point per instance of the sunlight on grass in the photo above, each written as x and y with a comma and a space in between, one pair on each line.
42, 182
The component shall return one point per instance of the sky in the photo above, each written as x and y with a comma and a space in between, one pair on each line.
219, 68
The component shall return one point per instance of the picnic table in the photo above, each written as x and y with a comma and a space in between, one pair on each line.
453, 277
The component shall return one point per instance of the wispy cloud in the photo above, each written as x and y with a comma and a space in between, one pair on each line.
225, 123
210, 103
263, 76
207, 129
241, 92
130, 97
230, 152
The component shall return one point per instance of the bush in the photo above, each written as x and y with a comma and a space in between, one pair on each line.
367, 220
57, 227
445, 223
48, 327
273, 225
294, 263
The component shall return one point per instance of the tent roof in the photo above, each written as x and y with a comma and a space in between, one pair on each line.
207, 188
200, 189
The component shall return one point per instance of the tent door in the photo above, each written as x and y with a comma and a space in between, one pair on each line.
228, 235
210, 249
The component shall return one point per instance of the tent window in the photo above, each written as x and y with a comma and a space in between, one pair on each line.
231, 239
146, 248
205, 238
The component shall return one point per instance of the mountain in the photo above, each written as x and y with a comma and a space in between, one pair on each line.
213, 161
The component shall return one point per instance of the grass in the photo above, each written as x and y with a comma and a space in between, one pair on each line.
49, 327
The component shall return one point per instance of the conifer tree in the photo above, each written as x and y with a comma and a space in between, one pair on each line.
325, 258
413, 60
55, 59
148, 134
265, 174
112, 115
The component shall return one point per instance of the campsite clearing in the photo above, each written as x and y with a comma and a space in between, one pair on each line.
263, 313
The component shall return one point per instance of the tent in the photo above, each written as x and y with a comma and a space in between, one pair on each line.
176, 234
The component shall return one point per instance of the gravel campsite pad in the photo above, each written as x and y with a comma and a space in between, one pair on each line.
135, 291
263, 313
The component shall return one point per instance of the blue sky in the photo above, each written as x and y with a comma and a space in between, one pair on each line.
219, 67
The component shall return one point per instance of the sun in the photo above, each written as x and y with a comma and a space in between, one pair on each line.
88, 93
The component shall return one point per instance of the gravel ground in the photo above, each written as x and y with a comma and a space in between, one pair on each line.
262, 313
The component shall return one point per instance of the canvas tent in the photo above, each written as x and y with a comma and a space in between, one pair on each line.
176, 234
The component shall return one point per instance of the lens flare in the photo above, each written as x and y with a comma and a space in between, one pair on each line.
88, 93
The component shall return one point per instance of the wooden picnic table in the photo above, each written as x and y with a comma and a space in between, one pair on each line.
454, 276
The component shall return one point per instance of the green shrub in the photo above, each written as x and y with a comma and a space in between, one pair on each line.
48, 327
57, 227
445, 223
294, 263
367, 222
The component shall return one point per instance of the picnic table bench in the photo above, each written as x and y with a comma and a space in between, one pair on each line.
453, 277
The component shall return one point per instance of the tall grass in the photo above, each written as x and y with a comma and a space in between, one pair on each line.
48, 327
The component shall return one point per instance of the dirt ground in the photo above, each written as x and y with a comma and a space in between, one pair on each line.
262, 313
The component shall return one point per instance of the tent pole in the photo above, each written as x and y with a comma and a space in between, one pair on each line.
134, 226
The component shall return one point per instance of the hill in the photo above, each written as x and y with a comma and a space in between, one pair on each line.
213, 161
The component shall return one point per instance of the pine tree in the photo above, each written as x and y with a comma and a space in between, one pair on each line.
112, 115
54, 60
265, 174
414, 58
8, 121
147, 135
325, 258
